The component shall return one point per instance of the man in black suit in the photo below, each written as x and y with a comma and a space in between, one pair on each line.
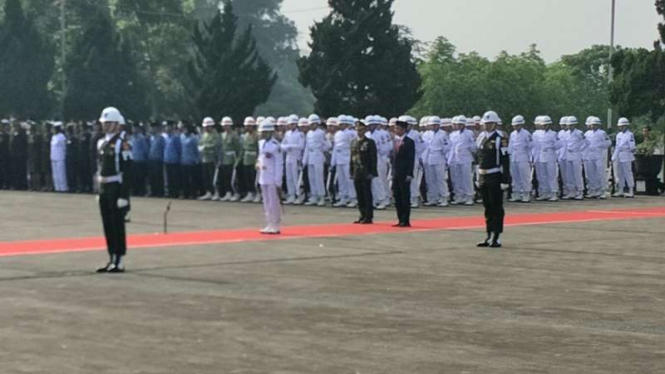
363, 170
404, 156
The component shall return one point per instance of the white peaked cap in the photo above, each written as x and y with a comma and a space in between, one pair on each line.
111, 114
518, 121
490, 117
266, 126
208, 121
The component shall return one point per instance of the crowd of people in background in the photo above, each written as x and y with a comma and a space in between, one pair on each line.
216, 160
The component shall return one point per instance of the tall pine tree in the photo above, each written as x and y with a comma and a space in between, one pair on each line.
359, 62
26, 65
227, 76
101, 72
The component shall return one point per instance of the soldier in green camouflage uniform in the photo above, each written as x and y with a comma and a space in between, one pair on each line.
231, 151
250, 150
210, 146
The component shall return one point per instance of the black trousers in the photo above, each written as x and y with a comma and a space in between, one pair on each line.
191, 180
140, 173
490, 190
402, 196
72, 172
173, 180
248, 179
156, 178
20, 174
365, 201
224, 179
208, 174
113, 219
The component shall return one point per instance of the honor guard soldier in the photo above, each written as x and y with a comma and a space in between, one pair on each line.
270, 166
623, 157
494, 170
113, 154
596, 157
546, 144
293, 145
209, 148
316, 145
521, 145
58, 158
574, 146
363, 169
250, 149
231, 149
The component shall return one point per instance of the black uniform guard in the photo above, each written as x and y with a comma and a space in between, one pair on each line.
403, 162
114, 154
363, 169
494, 171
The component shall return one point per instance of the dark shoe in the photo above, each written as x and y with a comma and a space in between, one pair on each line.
106, 268
495, 244
359, 221
366, 222
484, 244
397, 225
405, 224
116, 269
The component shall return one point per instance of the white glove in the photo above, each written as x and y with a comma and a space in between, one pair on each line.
504, 186
97, 198
123, 203
477, 184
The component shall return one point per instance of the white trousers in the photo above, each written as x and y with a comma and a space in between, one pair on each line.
271, 205
416, 181
546, 172
624, 175
572, 177
462, 180
317, 187
595, 176
347, 191
292, 175
59, 172
521, 173
437, 186
380, 183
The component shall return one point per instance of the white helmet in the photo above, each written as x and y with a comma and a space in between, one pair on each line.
332, 121
249, 121
477, 119
303, 122
266, 126
571, 120
434, 121
446, 122
314, 119
518, 121
227, 121
623, 122
111, 114
490, 117
282, 121
393, 122
293, 119
545, 120
459, 120
208, 121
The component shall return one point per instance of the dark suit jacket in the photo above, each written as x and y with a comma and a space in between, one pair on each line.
404, 160
363, 158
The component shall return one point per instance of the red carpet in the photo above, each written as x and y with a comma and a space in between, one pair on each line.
316, 231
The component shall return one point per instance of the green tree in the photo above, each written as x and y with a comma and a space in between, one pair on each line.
360, 63
227, 76
26, 65
101, 72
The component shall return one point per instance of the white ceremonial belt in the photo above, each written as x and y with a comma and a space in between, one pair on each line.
111, 179
489, 171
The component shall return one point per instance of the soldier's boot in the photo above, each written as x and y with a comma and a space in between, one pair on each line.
235, 198
207, 196
248, 199
226, 197
486, 243
257, 198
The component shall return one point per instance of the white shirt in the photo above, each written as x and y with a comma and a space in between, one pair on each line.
520, 146
315, 147
293, 145
546, 144
575, 145
341, 154
463, 145
271, 162
625, 148
598, 142
439, 147
58, 147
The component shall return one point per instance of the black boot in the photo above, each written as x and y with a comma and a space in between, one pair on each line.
487, 241
496, 242
118, 266
106, 268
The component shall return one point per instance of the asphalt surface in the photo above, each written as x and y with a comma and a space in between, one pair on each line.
558, 298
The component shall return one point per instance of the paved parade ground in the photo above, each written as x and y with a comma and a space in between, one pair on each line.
579, 287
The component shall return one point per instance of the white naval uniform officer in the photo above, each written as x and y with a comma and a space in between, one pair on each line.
546, 144
574, 146
293, 146
270, 166
463, 147
598, 143
561, 154
380, 192
623, 157
58, 158
341, 161
435, 165
519, 149
316, 145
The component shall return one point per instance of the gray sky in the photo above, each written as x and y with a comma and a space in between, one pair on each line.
488, 26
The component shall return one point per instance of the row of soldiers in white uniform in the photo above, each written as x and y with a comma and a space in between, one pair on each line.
317, 155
